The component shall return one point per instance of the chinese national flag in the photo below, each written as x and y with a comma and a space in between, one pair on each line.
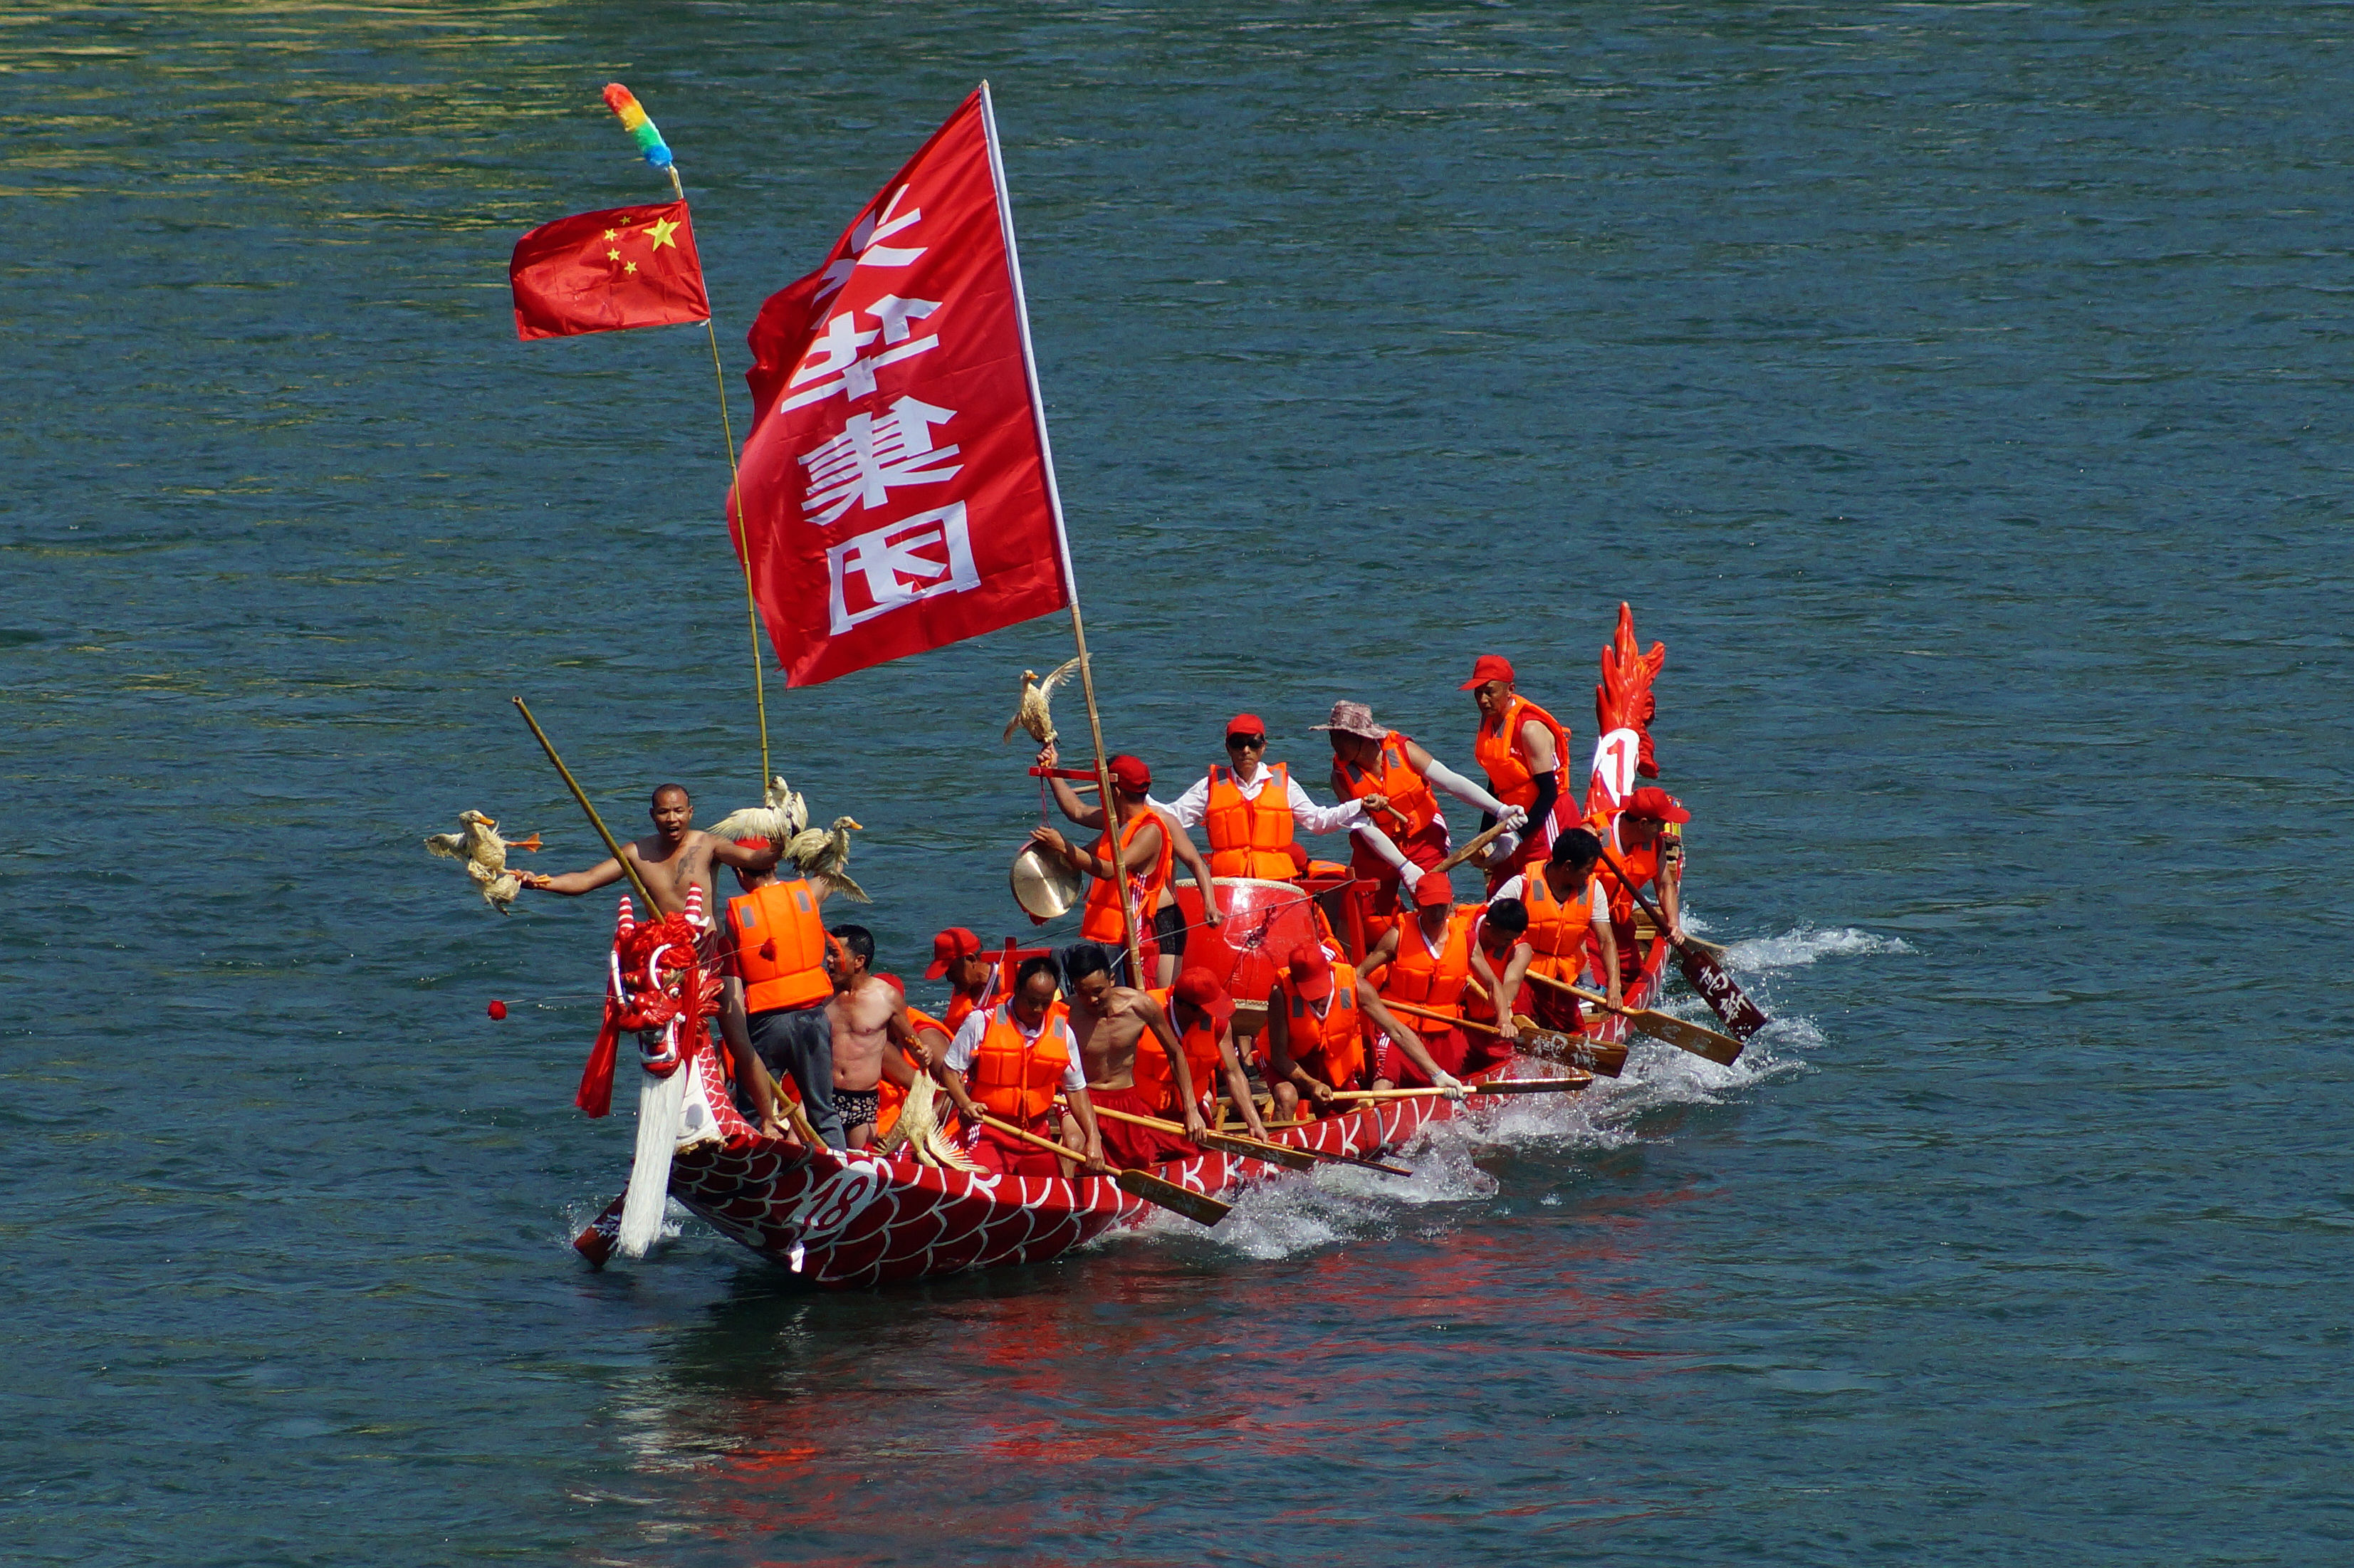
603, 271
896, 493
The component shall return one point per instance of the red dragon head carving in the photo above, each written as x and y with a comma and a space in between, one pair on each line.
1624, 703
657, 988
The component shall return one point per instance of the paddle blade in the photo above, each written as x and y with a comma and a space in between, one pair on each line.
1594, 1056
1721, 1049
1251, 1149
1569, 1084
1716, 988
1199, 1207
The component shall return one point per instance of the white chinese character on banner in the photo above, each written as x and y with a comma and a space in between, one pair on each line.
833, 360
873, 455
915, 557
867, 248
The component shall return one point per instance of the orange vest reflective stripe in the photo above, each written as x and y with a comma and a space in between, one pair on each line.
1500, 749
1101, 921
1333, 1048
1409, 793
1018, 1077
1200, 1040
1250, 837
779, 947
1425, 979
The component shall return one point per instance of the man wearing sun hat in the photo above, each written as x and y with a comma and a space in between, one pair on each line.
1250, 809
1410, 836
1525, 753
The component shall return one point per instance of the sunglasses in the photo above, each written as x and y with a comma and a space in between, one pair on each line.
1246, 742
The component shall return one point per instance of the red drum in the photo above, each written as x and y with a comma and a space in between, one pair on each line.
1264, 921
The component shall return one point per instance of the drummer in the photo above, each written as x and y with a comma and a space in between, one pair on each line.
1251, 810
1153, 841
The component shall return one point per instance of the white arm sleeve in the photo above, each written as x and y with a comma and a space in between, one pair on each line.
1462, 789
1073, 1078
1193, 804
1317, 819
1373, 838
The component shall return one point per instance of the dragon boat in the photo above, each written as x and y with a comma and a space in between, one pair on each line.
864, 1218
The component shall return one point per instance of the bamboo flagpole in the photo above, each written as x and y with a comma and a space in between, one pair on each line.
612, 847
657, 153
1110, 797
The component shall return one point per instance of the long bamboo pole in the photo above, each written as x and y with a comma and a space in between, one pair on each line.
612, 847
744, 530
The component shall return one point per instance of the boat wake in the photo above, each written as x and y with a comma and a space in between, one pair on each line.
1802, 945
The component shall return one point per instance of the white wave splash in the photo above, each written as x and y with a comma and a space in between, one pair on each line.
1803, 945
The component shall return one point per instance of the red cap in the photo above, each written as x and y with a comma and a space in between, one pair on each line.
1246, 724
1311, 971
751, 843
1130, 773
1657, 804
1486, 668
1199, 988
950, 945
1434, 888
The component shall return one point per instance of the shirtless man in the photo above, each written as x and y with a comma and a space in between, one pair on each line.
1110, 1022
674, 857
868, 1018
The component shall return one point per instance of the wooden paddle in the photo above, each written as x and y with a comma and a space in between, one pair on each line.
1238, 1144
1268, 1118
1720, 1048
1199, 1207
1564, 1086
1593, 1054
1706, 976
1468, 851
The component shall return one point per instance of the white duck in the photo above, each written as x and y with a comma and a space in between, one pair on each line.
781, 814
1034, 714
477, 842
822, 854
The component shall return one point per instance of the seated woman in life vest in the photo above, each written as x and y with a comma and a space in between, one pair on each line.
1406, 835
1010, 1061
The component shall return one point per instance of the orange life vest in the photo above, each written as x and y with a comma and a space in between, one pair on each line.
1410, 795
1101, 921
1559, 929
1333, 1048
779, 947
1503, 752
1200, 1039
1643, 865
1018, 1077
1250, 837
1425, 979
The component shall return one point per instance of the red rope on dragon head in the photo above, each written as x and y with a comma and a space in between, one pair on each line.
656, 988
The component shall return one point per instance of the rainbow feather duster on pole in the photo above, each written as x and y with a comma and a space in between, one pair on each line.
651, 145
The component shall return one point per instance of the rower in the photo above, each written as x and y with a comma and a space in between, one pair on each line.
1317, 1014
1499, 936
1011, 1061
1203, 1016
1249, 809
1567, 913
1372, 759
779, 969
1166, 931
1425, 962
675, 856
1148, 854
1525, 751
1110, 1022
868, 1030
973, 979
1652, 852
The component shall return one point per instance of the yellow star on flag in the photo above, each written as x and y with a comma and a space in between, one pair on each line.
661, 228
612, 256
629, 266
612, 234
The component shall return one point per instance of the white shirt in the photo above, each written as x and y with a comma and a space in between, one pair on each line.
1519, 889
967, 1043
1195, 803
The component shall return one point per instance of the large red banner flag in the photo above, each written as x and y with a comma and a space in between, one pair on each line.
897, 491
604, 271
